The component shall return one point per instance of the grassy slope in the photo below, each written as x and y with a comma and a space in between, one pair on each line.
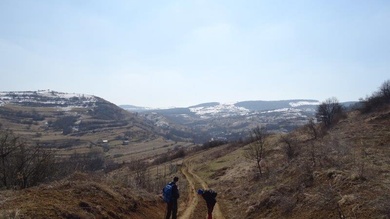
144, 139
347, 172
81, 196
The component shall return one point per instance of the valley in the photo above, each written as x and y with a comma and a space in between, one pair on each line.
281, 108
76, 123
115, 163
231, 122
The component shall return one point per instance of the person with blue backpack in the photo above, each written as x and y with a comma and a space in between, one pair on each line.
170, 196
209, 196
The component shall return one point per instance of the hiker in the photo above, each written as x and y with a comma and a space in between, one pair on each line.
209, 196
170, 195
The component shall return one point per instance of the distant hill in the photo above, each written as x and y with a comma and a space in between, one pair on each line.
78, 121
48, 106
133, 108
343, 173
279, 104
211, 104
231, 121
46, 98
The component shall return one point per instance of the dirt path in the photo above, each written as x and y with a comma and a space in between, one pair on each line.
194, 198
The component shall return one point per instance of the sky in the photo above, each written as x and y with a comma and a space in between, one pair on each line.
182, 53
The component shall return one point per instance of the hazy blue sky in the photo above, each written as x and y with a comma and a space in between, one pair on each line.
181, 53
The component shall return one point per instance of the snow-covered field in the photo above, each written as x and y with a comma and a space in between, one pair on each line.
47, 97
221, 110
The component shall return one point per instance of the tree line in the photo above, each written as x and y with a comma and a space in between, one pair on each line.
23, 164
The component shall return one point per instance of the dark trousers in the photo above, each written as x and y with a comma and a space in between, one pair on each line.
171, 210
210, 207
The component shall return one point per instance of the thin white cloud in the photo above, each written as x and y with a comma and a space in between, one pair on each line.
168, 53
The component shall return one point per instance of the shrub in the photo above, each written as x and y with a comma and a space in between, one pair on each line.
377, 100
178, 154
329, 112
23, 165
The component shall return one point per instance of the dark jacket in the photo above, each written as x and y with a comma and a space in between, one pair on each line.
209, 197
175, 191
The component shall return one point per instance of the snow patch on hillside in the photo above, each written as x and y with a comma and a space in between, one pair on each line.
222, 110
47, 97
303, 103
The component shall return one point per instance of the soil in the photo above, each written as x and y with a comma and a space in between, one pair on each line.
196, 207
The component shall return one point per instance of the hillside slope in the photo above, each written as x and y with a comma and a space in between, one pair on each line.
63, 113
343, 174
79, 123
230, 121
81, 196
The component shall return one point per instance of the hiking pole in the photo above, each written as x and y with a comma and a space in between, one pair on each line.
166, 212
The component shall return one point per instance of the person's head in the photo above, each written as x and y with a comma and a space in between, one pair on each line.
200, 191
175, 179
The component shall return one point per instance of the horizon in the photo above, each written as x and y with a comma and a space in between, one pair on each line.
164, 54
298, 101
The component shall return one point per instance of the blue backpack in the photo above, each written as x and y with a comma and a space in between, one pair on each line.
167, 193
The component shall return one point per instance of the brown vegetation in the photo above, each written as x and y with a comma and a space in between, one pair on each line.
334, 169
342, 174
81, 196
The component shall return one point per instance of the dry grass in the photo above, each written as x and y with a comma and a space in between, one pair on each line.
344, 174
143, 141
82, 196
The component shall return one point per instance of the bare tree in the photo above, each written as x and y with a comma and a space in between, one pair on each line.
256, 147
8, 145
329, 111
377, 100
289, 146
384, 90
312, 129
21, 164
33, 164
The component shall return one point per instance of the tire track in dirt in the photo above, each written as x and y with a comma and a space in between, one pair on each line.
194, 198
